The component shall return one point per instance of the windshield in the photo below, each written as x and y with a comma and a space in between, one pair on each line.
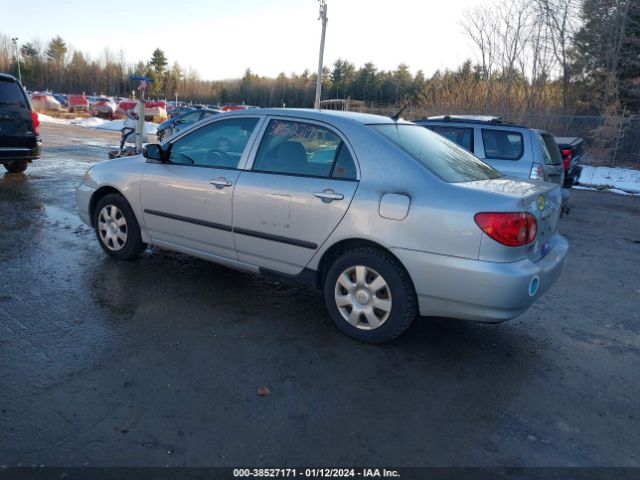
445, 159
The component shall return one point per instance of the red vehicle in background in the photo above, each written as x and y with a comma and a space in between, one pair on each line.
78, 103
153, 109
227, 108
571, 149
105, 107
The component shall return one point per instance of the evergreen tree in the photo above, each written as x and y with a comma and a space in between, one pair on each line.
607, 51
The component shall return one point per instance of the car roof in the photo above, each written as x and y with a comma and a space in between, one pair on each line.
478, 119
7, 77
334, 116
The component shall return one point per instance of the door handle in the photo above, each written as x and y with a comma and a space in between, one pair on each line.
220, 182
328, 195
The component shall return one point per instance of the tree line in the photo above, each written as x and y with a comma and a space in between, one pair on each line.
561, 56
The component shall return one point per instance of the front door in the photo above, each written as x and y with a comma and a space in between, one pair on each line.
187, 201
299, 188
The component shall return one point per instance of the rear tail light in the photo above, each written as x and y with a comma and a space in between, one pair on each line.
537, 172
513, 229
566, 158
36, 122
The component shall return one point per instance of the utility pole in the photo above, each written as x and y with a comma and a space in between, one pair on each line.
15, 44
323, 17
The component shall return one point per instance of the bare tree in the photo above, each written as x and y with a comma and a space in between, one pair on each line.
480, 25
513, 22
562, 17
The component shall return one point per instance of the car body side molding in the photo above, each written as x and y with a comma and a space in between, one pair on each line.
239, 231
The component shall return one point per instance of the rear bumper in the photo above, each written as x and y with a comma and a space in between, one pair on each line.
20, 153
478, 290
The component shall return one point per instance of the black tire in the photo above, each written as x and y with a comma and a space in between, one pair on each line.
400, 290
132, 246
16, 166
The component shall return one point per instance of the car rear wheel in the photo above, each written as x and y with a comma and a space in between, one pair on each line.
16, 166
117, 229
369, 295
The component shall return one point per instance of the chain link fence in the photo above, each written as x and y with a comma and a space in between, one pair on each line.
612, 141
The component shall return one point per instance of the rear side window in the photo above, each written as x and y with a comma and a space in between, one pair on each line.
445, 159
554, 157
503, 144
299, 148
460, 135
11, 94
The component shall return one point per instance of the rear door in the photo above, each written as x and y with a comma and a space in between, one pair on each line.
300, 186
16, 124
505, 150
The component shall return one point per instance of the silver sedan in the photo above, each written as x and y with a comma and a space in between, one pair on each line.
388, 218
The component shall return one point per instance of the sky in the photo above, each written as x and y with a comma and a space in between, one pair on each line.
221, 39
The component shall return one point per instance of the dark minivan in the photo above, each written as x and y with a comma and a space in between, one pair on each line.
19, 126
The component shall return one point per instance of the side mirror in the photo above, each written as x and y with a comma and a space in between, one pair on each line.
153, 151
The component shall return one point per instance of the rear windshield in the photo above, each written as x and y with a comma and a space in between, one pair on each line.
11, 93
552, 148
445, 159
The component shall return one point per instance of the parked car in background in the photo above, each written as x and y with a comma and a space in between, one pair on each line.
155, 110
19, 126
227, 108
78, 103
396, 221
514, 150
103, 107
571, 149
176, 124
62, 99
45, 102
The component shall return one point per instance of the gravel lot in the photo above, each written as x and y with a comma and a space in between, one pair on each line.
158, 362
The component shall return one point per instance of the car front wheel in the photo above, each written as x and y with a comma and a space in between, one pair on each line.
16, 166
369, 295
117, 229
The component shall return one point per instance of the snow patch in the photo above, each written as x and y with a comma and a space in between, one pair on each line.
91, 122
117, 125
617, 180
47, 119
95, 122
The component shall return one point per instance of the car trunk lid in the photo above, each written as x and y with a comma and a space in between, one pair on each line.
542, 199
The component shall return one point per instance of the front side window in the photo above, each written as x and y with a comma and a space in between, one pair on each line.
503, 144
443, 158
460, 135
300, 148
218, 144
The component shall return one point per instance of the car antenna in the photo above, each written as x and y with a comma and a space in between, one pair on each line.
396, 117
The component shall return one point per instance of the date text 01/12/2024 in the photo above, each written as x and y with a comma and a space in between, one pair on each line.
315, 472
